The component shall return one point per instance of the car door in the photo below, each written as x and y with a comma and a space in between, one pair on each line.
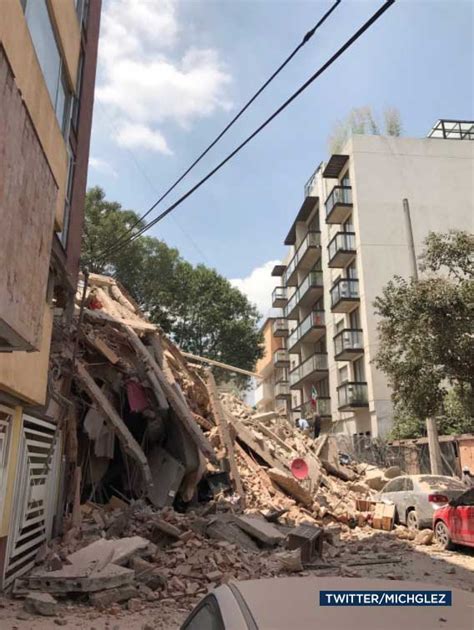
394, 492
465, 518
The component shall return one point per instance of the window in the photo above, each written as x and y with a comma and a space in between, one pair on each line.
68, 198
351, 271
49, 58
359, 370
408, 485
343, 375
345, 181
355, 319
340, 325
77, 97
206, 617
397, 485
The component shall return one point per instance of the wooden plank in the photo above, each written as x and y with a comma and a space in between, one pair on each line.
182, 411
291, 486
100, 345
112, 418
224, 366
102, 316
221, 422
157, 348
251, 441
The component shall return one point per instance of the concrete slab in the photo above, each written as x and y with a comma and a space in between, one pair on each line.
71, 580
260, 529
101, 553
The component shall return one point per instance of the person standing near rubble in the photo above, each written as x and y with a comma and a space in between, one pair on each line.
302, 424
316, 426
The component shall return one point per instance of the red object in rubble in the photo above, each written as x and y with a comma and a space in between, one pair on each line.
137, 399
94, 304
299, 468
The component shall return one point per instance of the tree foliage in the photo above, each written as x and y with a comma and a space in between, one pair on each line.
426, 338
198, 307
361, 120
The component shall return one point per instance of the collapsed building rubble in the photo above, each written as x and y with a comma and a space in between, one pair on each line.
172, 486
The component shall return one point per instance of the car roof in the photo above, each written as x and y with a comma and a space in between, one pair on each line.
293, 602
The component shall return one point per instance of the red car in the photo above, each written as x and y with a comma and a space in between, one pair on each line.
454, 523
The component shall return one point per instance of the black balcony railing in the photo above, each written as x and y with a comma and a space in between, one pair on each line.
308, 409
312, 239
282, 390
313, 279
281, 358
316, 363
343, 242
352, 395
340, 195
344, 289
279, 297
280, 327
347, 341
316, 319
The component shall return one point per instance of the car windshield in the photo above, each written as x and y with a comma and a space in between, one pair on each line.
441, 483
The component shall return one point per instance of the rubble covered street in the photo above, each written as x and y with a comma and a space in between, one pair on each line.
175, 487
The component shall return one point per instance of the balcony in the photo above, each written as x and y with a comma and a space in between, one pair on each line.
282, 390
310, 330
281, 359
281, 375
313, 369
307, 409
305, 257
279, 297
280, 328
309, 291
339, 204
348, 344
344, 295
352, 396
341, 249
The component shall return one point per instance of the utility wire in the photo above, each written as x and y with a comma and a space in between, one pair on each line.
113, 127
304, 41
305, 85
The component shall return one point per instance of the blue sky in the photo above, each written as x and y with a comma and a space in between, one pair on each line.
171, 74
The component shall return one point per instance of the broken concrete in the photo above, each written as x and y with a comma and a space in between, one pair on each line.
41, 604
71, 580
100, 553
260, 529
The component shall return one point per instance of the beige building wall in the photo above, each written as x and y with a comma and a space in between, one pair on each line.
21, 373
437, 177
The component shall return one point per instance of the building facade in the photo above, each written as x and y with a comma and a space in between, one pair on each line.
347, 241
273, 390
48, 58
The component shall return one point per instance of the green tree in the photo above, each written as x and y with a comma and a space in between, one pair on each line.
426, 338
361, 120
198, 307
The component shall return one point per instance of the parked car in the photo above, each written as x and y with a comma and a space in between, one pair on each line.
417, 496
293, 604
454, 523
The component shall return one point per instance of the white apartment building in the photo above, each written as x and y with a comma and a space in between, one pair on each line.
347, 241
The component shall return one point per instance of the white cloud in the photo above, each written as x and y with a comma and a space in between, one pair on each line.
134, 135
258, 286
142, 83
102, 166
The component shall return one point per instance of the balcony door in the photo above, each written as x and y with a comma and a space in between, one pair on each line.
359, 370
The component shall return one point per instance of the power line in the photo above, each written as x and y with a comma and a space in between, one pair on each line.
301, 89
304, 41
110, 122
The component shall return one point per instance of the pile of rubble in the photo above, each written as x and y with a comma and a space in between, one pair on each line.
173, 487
